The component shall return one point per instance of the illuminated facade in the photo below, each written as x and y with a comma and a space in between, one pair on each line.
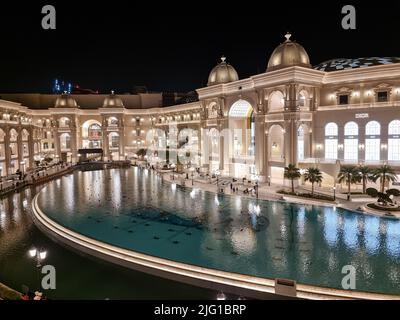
339, 112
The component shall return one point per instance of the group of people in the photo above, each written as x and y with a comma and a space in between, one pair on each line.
34, 296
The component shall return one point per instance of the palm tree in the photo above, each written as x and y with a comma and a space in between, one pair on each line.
384, 173
365, 175
292, 173
313, 175
349, 175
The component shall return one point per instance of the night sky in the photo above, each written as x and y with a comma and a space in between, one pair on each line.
173, 46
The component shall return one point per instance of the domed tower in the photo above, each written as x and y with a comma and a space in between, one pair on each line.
222, 73
65, 101
288, 54
113, 101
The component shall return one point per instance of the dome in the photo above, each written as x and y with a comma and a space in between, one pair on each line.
222, 73
66, 101
288, 54
113, 101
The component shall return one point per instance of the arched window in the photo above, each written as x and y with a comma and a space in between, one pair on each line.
331, 141
94, 132
113, 121
304, 100
91, 135
113, 140
64, 122
276, 101
351, 141
241, 109
394, 141
372, 141
13, 135
25, 135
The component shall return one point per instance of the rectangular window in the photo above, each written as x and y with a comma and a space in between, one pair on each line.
394, 150
382, 96
331, 151
372, 149
343, 99
351, 149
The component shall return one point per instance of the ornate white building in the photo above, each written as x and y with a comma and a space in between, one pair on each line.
340, 112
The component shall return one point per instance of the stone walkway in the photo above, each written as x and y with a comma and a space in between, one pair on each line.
267, 192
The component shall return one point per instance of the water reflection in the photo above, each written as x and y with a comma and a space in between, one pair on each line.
77, 277
269, 239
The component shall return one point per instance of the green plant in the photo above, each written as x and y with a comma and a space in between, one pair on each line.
292, 173
384, 173
349, 175
384, 198
393, 192
372, 192
365, 174
313, 175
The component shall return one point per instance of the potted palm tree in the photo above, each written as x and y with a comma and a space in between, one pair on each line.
313, 175
292, 173
385, 174
365, 175
349, 175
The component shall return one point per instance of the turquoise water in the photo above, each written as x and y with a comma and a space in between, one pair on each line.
78, 276
134, 209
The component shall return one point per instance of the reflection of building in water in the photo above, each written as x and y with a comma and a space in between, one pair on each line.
338, 112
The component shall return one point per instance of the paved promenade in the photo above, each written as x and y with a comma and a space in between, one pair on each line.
270, 192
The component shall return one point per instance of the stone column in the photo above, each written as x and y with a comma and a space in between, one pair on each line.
20, 149
7, 151
291, 102
261, 139
106, 153
290, 140
31, 148
121, 133
56, 139
74, 141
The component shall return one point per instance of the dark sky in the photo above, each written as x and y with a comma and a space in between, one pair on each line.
173, 46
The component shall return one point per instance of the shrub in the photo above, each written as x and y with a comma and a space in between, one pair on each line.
372, 192
393, 192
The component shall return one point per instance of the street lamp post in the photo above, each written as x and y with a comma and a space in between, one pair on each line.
192, 175
334, 193
38, 255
